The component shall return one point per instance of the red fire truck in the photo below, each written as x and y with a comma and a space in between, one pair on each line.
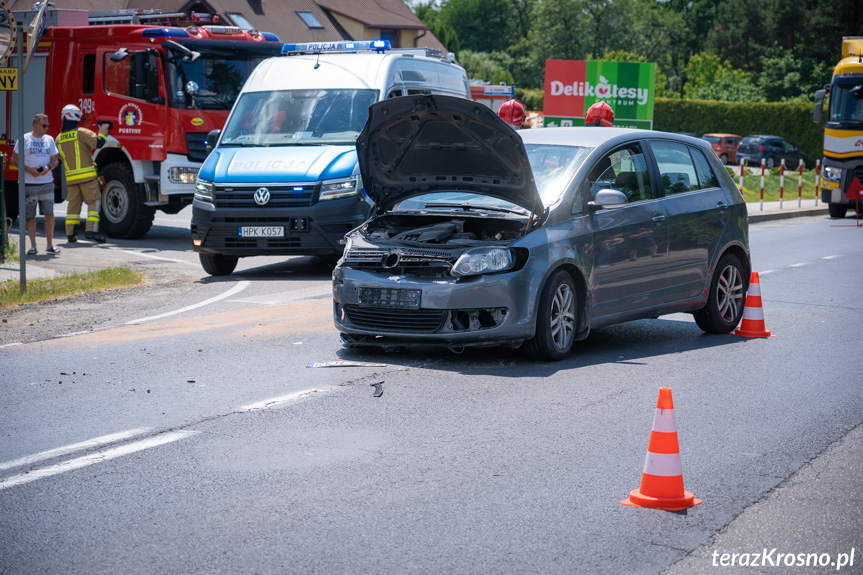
163, 81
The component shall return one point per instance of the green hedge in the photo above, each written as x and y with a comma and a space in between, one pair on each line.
792, 121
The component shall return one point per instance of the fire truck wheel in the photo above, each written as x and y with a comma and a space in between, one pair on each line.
124, 214
218, 264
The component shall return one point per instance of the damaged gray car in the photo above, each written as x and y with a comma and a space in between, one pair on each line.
483, 235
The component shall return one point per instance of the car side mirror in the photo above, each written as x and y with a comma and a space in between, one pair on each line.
606, 199
212, 138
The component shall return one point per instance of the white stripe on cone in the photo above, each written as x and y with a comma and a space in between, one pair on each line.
754, 289
663, 464
664, 421
756, 313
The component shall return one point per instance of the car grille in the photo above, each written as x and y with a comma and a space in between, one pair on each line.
196, 142
281, 196
399, 320
412, 261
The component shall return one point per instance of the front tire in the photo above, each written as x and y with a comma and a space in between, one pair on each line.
556, 319
124, 214
218, 264
837, 210
725, 301
724, 159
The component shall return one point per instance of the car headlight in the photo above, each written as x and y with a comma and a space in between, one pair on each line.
182, 175
483, 261
831, 174
341, 188
204, 191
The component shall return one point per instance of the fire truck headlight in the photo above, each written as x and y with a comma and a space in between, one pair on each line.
204, 191
831, 174
343, 188
182, 175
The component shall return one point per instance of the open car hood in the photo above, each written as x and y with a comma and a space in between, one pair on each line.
423, 144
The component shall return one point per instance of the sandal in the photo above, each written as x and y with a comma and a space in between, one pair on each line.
53, 250
32, 252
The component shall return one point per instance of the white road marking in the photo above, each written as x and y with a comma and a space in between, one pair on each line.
281, 401
11, 344
830, 257
765, 272
89, 444
799, 265
236, 289
152, 257
98, 457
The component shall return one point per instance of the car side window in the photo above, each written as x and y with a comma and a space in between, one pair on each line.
676, 169
624, 170
706, 176
788, 145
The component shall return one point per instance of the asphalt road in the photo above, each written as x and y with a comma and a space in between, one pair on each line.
238, 458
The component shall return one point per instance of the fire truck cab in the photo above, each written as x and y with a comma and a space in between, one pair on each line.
163, 88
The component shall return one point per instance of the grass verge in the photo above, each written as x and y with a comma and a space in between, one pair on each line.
67, 286
752, 185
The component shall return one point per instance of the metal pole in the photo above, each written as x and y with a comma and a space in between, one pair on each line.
781, 182
3, 238
817, 180
22, 209
762, 186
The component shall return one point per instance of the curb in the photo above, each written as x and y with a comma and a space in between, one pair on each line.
756, 215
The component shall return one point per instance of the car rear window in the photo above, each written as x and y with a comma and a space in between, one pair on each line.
711, 139
750, 141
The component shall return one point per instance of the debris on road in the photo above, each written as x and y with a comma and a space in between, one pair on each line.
379, 389
344, 364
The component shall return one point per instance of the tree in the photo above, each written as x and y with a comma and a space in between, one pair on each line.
481, 25
710, 79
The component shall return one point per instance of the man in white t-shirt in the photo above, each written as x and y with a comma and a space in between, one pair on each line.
40, 157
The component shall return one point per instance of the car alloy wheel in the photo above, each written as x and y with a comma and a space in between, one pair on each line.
725, 301
556, 319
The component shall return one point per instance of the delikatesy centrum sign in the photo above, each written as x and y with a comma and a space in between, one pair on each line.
572, 86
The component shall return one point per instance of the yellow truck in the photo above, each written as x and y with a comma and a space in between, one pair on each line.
843, 131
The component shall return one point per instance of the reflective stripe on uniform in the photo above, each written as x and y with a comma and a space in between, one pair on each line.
75, 172
93, 216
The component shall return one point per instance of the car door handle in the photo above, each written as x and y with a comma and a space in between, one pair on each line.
722, 206
659, 219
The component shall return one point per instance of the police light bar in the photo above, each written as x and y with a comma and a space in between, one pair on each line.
371, 45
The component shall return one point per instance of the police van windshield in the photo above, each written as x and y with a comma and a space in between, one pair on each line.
219, 78
846, 102
298, 117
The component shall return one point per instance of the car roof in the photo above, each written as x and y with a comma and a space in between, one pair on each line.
595, 137
722, 135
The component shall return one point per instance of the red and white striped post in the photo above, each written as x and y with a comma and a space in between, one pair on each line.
742, 167
781, 182
800, 184
761, 207
817, 180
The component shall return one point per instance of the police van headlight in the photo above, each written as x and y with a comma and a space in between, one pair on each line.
204, 191
483, 261
831, 174
341, 188
182, 175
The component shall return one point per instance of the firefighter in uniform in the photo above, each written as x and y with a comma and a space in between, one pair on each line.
76, 146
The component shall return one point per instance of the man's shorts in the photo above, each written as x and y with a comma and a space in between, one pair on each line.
41, 195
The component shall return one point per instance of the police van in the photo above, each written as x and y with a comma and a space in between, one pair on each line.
283, 177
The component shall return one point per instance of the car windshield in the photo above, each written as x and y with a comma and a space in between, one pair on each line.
553, 168
711, 139
219, 78
846, 103
298, 117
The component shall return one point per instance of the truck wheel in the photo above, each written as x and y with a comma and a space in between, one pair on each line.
218, 264
725, 301
11, 194
124, 214
555, 319
837, 210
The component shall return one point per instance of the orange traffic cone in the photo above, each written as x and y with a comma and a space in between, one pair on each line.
662, 480
752, 323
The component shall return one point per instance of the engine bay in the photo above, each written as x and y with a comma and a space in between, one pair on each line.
427, 230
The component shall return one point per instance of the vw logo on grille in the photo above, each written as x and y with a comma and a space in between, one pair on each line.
391, 260
262, 196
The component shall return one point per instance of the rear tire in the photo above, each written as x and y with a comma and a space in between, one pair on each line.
556, 319
124, 214
837, 210
727, 296
770, 163
218, 264
724, 159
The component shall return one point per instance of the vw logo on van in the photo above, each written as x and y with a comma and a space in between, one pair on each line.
262, 196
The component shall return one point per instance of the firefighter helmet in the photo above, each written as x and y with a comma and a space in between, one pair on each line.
599, 114
72, 112
512, 113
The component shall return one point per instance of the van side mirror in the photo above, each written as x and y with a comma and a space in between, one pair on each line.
606, 199
212, 138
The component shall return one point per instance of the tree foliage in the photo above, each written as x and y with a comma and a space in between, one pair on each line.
761, 50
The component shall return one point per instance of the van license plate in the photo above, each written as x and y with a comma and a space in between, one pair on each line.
262, 232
